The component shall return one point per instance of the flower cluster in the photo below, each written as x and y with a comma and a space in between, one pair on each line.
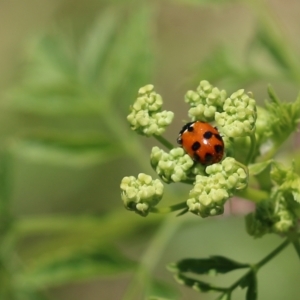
141, 193
212, 185
210, 192
205, 101
147, 117
274, 216
278, 212
175, 166
235, 116
238, 116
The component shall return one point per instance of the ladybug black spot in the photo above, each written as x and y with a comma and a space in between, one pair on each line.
218, 137
207, 135
179, 140
188, 127
208, 157
218, 148
196, 157
196, 146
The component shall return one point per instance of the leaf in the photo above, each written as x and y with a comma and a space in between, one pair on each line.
257, 168
197, 285
218, 264
97, 44
160, 290
130, 59
225, 296
262, 172
250, 282
112, 61
221, 64
77, 266
269, 39
284, 116
65, 235
79, 157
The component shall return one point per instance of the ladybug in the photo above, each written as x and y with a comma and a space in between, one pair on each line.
202, 142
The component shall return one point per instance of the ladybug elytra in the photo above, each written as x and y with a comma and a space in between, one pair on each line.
202, 142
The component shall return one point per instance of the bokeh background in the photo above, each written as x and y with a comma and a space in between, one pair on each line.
68, 73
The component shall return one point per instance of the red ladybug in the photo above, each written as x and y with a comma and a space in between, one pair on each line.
202, 142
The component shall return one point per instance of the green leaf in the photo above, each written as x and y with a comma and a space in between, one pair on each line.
54, 154
257, 168
270, 41
225, 296
217, 264
284, 116
65, 235
160, 290
250, 282
197, 285
96, 46
77, 266
262, 172
129, 63
112, 60
222, 65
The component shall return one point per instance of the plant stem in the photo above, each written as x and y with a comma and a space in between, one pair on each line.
294, 238
168, 209
122, 132
151, 257
272, 254
252, 149
164, 142
270, 154
261, 263
252, 194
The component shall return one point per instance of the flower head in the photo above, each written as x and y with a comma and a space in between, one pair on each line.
174, 166
141, 194
271, 216
205, 101
238, 116
209, 194
146, 116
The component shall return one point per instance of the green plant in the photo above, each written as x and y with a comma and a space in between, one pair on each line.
67, 116
255, 176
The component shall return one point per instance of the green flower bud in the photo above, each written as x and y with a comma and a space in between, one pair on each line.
209, 194
146, 116
271, 216
174, 166
283, 116
141, 194
238, 116
205, 101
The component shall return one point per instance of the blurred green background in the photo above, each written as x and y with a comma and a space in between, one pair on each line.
69, 71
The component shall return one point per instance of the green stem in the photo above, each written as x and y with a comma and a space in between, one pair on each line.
128, 140
252, 149
261, 263
252, 194
167, 209
271, 153
272, 254
294, 238
151, 257
164, 142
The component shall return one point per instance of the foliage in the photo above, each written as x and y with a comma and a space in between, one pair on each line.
70, 107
